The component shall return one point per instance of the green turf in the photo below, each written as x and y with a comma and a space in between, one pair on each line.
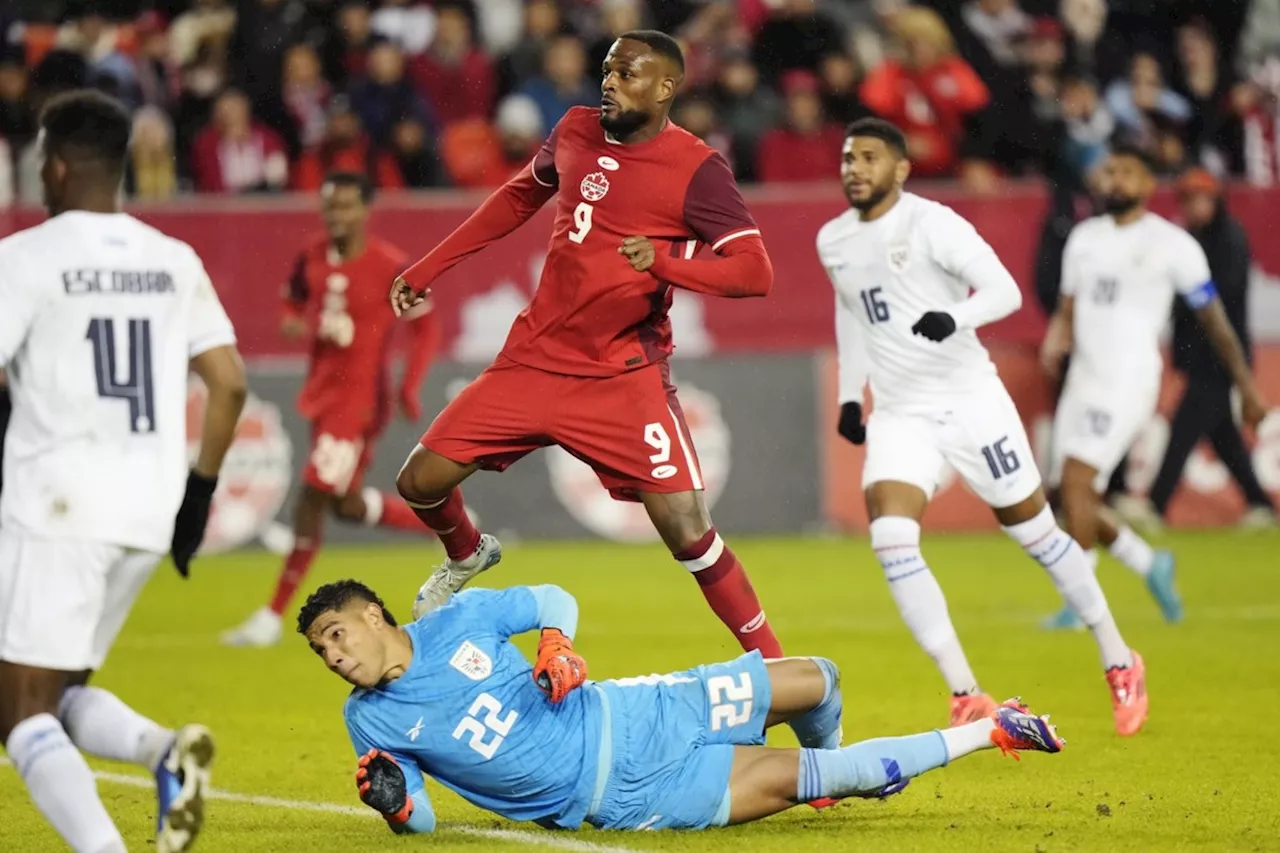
1202, 776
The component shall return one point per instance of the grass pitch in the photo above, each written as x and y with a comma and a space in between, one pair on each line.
1204, 775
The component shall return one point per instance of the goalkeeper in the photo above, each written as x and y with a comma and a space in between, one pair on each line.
450, 696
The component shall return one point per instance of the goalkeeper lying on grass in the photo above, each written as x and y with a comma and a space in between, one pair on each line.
449, 695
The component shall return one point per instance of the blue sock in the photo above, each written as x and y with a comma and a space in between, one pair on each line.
820, 728
867, 766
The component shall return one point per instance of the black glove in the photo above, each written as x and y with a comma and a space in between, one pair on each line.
193, 517
380, 782
937, 326
850, 425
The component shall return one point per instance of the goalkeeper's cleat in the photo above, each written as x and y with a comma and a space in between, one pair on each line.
1064, 620
1017, 729
878, 794
455, 574
1162, 588
1129, 695
971, 707
262, 629
182, 783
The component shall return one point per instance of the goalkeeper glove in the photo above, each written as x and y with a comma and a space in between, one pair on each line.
559, 669
850, 425
193, 518
937, 326
381, 784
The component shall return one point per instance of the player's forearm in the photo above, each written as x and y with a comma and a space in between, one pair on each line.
223, 374
995, 294
742, 269
556, 609
500, 214
1213, 317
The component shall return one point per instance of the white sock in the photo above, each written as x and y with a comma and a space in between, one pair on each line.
372, 506
99, 723
61, 784
1132, 550
968, 738
896, 541
1072, 570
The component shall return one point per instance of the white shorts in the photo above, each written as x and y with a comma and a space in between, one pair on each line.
62, 602
980, 435
1097, 425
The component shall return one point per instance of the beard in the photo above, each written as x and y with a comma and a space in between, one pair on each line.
1117, 204
878, 194
625, 123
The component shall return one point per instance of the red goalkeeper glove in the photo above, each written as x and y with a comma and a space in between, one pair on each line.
381, 784
559, 668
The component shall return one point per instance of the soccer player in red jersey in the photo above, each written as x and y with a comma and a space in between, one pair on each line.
585, 364
337, 296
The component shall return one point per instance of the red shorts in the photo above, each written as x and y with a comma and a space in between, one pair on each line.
340, 454
629, 428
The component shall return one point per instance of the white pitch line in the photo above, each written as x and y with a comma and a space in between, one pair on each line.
517, 836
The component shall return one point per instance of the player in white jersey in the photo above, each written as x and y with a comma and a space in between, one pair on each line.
102, 318
1120, 274
903, 268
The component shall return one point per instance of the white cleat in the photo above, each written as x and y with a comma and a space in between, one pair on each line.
455, 574
262, 629
182, 782
1258, 518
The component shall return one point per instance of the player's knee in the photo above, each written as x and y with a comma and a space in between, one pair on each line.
830, 675
426, 477
894, 532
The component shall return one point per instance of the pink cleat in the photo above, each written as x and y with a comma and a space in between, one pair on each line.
1129, 695
970, 708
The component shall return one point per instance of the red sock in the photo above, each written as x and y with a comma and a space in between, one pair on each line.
291, 577
396, 515
449, 521
728, 590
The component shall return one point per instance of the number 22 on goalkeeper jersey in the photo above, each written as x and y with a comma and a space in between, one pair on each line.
468, 713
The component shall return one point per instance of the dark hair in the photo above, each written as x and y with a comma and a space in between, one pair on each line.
340, 178
877, 128
87, 125
660, 43
1126, 148
335, 596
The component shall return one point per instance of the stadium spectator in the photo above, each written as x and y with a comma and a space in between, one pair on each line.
477, 154
344, 148
411, 146
409, 23
696, 113
207, 23
617, 17
1091, 48
385, 96
264, 31
93, 37
1149, 113
564, 82
794, 36
235, 154
152, 172
500, 24
17, 121
542, 23
155, 72
1258, 103
1205, 410
1260, 36
748, 109
840, 78
456, 79
305, 98
930, 93
1214, 131
347, 44
807, 147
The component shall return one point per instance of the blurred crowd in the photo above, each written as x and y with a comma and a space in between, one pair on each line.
237, 96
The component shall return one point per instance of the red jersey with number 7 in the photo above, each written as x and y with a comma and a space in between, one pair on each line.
593, 314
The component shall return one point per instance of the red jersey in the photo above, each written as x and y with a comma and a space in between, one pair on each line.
345, 305
593, 314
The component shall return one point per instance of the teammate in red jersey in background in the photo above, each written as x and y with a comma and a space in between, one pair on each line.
337, 295
585, 364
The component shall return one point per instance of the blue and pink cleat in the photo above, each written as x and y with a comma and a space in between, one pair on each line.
1017, 730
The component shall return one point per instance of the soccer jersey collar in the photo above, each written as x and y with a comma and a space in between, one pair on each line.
610, 139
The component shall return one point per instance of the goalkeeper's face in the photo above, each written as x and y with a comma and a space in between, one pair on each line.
354, 642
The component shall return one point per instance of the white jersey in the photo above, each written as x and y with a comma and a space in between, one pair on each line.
1123, 279
101, 315
921, 256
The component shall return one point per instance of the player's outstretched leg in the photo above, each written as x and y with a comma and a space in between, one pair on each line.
430, 485
55, 773
99, 723
766, 781
1031, 524
895, 509
684, 524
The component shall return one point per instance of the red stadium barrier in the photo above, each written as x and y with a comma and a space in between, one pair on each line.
249, 244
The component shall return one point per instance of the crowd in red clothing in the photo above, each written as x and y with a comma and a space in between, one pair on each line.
237, 96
